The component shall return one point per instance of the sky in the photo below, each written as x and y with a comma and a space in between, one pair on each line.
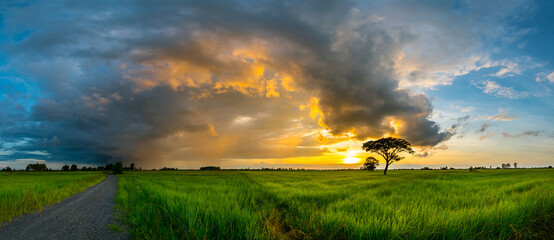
250, 84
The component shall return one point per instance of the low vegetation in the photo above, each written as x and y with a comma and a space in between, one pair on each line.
25, 192
452, 204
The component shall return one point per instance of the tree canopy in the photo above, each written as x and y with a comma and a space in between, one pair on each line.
36, 167
388, 148
117, 168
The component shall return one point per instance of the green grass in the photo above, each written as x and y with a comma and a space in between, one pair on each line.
25, 192
192, 205
487, 204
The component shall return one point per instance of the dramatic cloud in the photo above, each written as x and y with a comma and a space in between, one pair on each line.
526, 133
510, 68
495, 89
447, 36
467, 109
502, 117
487, 135
186, 81
196, 82
548, 77
463, 109
483, 128
429, 151
460, 126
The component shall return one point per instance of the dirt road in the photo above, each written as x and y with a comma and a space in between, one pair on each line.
85, 215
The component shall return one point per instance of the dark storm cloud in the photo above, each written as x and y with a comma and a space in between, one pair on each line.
102, 69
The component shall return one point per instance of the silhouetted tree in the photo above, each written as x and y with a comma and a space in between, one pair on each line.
74, 167
65, 168
7, 169
83, 168
388, 148
505, 165
109, 166
132, 167
117, 168
515, 165
370, 164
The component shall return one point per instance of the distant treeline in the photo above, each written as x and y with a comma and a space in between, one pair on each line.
41, 167
211, 168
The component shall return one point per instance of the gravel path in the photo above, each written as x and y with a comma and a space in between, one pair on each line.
85, 215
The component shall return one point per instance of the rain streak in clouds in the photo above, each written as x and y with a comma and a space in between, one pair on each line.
195, 83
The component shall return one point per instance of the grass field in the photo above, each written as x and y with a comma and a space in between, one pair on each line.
487, 204
25, 192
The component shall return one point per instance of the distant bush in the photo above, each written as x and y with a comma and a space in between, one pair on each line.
426, 168
74, 167
210, 168
65, 168
168, 169
117, 168
6, 169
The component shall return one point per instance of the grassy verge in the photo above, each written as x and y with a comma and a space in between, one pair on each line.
193, 205
25, 192
488, 204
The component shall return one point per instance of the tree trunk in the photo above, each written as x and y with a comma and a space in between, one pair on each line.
386, 167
